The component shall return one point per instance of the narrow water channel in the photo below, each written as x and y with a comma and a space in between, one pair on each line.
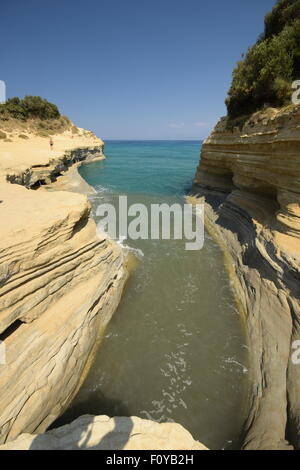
175, 349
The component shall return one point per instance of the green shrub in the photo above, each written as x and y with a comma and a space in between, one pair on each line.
283, 14
37, 107
12, 108
2, 135
65, 120
265, 76
42, 134
42, 125
30, 107
23, 136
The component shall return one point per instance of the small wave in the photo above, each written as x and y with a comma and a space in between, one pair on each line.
231, 360
139, 253
102, 189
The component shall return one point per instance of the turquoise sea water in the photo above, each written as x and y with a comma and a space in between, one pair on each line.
175, 349
145, 167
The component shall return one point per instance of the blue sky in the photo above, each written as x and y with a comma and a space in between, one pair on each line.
129, 69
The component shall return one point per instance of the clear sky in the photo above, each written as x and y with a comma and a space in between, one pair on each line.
129, 69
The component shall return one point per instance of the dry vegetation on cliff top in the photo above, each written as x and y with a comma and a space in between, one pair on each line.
265, 116
33, 116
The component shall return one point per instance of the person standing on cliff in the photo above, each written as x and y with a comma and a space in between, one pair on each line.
51, 143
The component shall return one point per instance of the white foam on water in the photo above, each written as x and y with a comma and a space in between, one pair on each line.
231, 360
102, 189
139, 253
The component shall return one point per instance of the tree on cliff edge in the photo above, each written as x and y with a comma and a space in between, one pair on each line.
264, 77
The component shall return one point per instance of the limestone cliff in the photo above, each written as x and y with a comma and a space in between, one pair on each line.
32, 162
104, 433
249, 179
60, 281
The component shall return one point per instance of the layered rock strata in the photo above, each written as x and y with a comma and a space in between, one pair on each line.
249, 180
37, 175
60, 283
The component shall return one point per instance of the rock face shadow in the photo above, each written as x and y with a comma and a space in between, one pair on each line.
87, 433
82, 437
95, 403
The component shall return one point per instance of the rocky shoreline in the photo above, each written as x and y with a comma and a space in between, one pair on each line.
249, 181
60, 283
103, 433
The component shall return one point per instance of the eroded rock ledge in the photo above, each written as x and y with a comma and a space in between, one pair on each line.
32, 162
250, 182
37, 175
60, 283
104, 433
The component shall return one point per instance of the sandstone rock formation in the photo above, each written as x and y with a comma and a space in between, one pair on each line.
249, 179
32, 163
101, 432
60, 282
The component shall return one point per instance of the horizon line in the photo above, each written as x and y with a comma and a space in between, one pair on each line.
154, 140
